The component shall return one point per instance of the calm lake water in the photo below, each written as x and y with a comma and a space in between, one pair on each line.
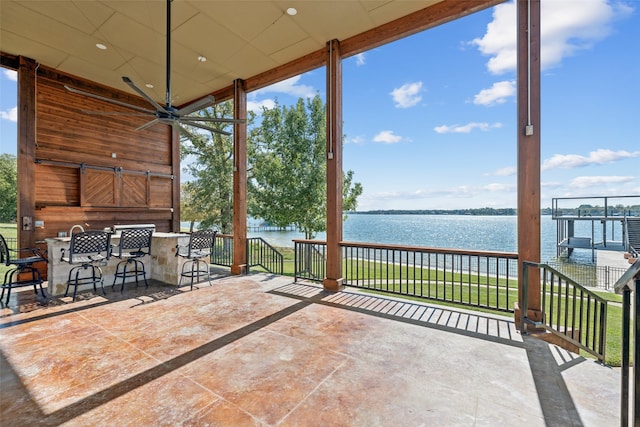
492, 233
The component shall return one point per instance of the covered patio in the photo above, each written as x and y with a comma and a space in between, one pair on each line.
265, 350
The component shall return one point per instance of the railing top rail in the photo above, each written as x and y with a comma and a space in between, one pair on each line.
595, 197
565, 278
267, 244
605, 212
310, 241
508, 255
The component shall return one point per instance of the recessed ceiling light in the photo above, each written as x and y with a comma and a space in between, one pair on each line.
202, 58
101, 46
292, 11
149, 85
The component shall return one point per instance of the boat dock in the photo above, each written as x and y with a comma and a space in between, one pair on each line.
597, 224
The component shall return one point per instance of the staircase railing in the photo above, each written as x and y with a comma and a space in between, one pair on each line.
627, 284
259, 254
262, 254
569, 310
632, 238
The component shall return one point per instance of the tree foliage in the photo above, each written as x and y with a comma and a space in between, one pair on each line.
8, 188
287, 185
208, 199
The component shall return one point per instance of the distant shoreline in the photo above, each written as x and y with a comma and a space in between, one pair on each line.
471, 212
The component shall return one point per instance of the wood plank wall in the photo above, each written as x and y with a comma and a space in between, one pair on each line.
97, 170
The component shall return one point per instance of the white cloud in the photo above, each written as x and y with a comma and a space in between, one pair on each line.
11, 114
507, 171
290, 87
387, 137
360, 59
552, 184
591, 181
497, 94
499, 188
407, 95
11, 75
565, 28
461, 191
598, 157
467, 128
354, 140
257, 106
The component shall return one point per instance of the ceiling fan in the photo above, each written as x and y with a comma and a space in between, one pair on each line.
167, 113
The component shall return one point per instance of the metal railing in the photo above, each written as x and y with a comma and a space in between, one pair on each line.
627, 284
475, 278
309, 260
262, 254
589, 275
569, 310
12, 242
222, 253
259, 254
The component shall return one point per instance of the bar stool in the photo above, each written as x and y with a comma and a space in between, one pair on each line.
199, 247
87, 250
134, 243
13, 277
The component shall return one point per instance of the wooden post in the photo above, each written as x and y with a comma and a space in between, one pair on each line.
528, 41
333, 280
27, 142
239, 180
174, 139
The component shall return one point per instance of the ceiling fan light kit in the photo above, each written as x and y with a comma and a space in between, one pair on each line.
167, 113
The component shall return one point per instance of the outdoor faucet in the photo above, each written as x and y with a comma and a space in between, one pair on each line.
74, 227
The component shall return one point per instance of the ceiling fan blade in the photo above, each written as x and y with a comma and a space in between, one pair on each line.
104, 98
115, 113
210, 129
150, 100
148, 124
205, 102
211, 119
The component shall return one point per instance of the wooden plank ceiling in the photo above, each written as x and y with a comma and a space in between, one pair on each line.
239, 39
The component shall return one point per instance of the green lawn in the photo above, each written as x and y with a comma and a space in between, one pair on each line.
8, 231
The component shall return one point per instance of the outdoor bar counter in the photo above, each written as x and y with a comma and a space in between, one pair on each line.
162, 265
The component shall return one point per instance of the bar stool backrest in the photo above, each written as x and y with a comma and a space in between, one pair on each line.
136, 240
88, 243
201, 241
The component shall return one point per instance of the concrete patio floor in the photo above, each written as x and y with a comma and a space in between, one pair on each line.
262, 350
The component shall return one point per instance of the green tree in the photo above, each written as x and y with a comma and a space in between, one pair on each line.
8, 188
287, 185
189, 210
209, 197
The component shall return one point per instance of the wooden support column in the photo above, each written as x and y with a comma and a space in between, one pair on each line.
27, 70
334, 281
174, 140
239, 265
528, 39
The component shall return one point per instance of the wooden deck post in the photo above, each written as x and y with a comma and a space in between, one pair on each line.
528, 58
174, 138
27, 75
333, 280
239, 265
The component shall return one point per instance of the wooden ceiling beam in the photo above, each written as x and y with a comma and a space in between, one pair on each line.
429, 17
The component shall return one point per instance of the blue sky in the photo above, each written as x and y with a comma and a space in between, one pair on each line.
430, 120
